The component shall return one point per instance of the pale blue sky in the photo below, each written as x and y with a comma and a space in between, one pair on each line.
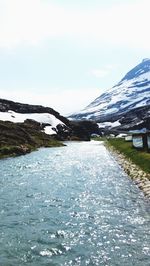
64, 54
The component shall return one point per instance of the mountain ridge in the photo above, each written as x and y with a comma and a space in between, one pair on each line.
131, 92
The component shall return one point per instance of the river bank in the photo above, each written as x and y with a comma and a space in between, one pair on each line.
22, 138
140, 177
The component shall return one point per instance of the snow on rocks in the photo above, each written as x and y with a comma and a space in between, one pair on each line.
50, 130
109, 124
38, 117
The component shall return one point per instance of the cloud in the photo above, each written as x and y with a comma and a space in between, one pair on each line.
65, 102
103, 72
29, 21
100, 73
32, 21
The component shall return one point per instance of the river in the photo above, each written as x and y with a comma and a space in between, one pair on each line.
71, 206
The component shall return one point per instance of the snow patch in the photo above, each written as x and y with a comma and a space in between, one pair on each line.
109, 124
38, 117
50, 130
20, 118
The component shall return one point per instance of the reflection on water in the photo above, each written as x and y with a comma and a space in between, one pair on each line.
71, 206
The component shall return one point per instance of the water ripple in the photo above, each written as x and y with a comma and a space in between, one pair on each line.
71, 206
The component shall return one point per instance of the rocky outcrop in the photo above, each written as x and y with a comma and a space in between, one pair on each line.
83, 129
6, 105
136, 119
21, 138
65, 129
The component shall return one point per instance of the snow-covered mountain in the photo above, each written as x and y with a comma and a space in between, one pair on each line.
131, 93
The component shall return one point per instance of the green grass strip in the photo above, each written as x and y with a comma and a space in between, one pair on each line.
139, 157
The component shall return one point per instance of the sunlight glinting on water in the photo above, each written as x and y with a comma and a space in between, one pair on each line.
71, 206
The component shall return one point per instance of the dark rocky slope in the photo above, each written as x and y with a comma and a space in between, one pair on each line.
21, 138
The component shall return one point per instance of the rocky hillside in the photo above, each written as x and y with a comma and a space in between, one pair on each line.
26, 127
8, 106
131, 93
22, 138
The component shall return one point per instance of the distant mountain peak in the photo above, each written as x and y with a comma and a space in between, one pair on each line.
140, 69
132, 92
145, 60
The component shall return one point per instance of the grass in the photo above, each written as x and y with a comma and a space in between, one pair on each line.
54, 143
139, 157
99, 138
21, 138
13, 150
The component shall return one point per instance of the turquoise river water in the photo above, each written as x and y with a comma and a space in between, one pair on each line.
71, 206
